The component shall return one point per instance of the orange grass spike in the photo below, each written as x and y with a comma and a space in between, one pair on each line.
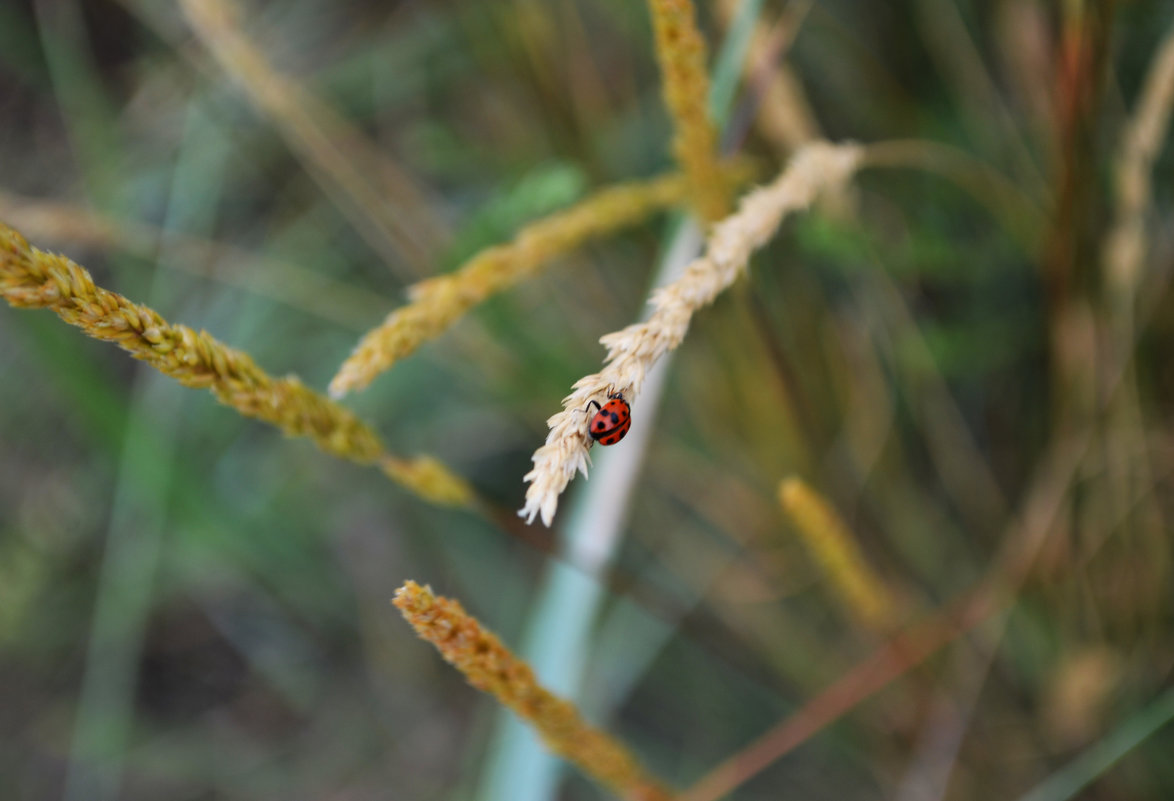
32, 278
489, 666
680, 51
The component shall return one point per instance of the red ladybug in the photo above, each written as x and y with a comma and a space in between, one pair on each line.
611, 421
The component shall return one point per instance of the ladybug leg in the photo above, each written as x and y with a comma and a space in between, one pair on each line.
597, 406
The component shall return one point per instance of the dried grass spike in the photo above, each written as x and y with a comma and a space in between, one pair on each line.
680, 49
429, 479
816, 168
32, 278
490, 667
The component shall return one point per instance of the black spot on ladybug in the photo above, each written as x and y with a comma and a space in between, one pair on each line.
612, 440
598, 425
615, 418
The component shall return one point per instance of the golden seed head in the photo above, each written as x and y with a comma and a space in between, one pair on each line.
681, 52
33, 278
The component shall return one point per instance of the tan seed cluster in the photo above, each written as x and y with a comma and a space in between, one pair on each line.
816, 168
490, 667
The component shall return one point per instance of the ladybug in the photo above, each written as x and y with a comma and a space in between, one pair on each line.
612, 420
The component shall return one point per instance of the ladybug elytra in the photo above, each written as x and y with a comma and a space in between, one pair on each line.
612, 420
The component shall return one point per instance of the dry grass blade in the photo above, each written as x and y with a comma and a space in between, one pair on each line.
631, 353
336, 153
438, 302
31, 278
785, 116
490, 667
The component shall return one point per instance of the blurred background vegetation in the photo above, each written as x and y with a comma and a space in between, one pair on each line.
193, 607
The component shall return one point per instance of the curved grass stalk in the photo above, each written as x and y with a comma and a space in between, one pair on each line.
337, 154
1023, 217
32, 278
632, 352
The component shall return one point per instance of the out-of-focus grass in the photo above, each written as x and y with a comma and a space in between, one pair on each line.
909, 360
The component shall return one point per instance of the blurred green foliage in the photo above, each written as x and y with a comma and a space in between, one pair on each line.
191, 606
